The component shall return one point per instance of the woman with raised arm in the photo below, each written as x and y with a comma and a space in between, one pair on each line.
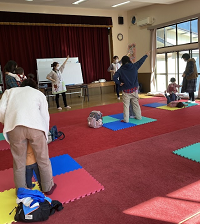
58, 85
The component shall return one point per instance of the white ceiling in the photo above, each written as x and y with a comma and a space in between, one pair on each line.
97, 4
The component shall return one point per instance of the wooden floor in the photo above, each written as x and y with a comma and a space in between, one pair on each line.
77, 102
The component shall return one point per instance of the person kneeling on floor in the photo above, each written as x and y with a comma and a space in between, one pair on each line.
127, 78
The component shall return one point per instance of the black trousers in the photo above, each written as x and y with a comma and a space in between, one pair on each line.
29, 175
117, 89
64, 100
191, 96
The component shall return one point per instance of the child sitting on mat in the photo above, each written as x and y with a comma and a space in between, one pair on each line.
19, 76
31, 165
172, 88
171, 101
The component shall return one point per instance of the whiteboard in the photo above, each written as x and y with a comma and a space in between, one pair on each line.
71, 75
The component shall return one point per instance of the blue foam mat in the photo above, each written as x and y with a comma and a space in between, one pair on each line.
154, 105
63, 164
118, 125
118, 116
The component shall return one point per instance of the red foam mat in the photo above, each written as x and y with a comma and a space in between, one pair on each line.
4, 145
75, 185
6, 180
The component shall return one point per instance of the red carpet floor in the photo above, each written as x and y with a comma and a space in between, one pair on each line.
139, 177
81, 140
135, 165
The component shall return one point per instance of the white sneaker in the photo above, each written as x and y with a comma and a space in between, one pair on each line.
118, 98
68, 107
132, 116
193, 102
189, 101
59, 108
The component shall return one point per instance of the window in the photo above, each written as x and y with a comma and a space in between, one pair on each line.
171, 65
178, 34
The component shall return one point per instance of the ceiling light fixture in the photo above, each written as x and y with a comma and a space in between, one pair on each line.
123, 3
77, 2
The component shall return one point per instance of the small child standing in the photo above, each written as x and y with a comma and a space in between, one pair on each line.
19, 76
31, 165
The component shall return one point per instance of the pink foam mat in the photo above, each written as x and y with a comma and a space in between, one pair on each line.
75, 185
4, 145
6, 180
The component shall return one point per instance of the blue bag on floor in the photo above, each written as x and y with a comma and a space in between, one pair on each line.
55, 134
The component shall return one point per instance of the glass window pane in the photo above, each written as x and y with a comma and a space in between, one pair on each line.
195, 55
170, 35
172, 66
194, 28
161, 64
160, 37
183, 30
182, 66
161, 83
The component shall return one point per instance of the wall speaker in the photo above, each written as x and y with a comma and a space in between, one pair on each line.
120, 20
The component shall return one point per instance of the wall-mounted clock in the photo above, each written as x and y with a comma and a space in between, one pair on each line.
120, 37
133, 20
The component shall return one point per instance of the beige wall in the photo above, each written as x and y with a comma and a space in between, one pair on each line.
120, 47
162, 14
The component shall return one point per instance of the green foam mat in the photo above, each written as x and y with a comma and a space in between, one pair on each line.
108, 119
1, 137
144, 120
191, 152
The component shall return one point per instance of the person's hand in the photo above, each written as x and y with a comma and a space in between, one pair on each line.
6, 73
183, 75
122, 84
148, 53
67, 57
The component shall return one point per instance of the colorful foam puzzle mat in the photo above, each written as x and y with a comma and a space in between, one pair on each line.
114, 123
191, 152
73, 182
164, 106
1, 137
155, 105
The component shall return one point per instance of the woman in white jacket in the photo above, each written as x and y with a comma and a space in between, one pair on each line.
24, 113
58, 85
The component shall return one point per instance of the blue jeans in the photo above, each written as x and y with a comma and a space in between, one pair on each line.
29, 175
170, 98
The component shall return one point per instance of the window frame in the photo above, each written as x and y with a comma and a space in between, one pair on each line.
176, 24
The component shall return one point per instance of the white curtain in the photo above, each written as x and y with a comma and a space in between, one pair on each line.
153, 60
199, 50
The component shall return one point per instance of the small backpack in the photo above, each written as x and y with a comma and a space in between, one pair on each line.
55, 134
95, 119
39, 214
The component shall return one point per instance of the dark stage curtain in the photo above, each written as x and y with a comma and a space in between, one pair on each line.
24, 44
22, 17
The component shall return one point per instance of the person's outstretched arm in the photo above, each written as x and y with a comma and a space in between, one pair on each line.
139, 63
63, 65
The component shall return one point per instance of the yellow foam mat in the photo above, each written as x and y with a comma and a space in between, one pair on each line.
169, 108
142, 96
7, 204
